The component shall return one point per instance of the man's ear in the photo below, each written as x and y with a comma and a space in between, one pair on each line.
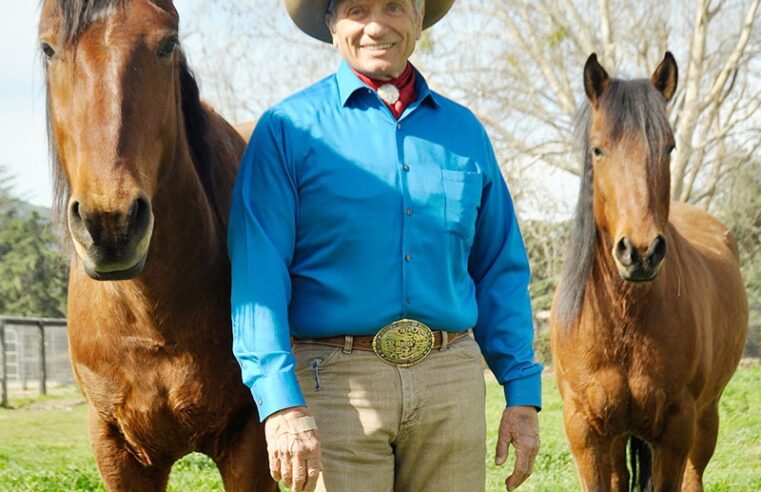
330, 22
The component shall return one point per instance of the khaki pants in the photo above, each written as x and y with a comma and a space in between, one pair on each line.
385, 428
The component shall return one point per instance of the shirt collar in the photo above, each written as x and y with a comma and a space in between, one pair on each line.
349, 83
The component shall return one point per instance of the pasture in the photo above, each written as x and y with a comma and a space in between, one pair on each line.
44, 448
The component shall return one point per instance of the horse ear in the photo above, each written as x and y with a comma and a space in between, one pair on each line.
596, 79
665, 76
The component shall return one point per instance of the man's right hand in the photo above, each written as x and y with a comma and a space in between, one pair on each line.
293, 447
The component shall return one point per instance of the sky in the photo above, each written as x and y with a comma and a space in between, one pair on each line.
23, 144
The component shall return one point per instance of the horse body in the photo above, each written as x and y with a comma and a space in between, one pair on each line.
145, 173
648, 358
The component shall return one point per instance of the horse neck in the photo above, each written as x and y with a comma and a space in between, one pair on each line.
620, 304
187, 260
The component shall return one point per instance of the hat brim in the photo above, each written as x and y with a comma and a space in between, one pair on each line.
309, 15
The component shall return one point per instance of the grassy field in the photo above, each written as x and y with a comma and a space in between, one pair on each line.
43, 446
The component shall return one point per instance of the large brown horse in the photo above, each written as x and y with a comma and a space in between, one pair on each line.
649, 321
143, 174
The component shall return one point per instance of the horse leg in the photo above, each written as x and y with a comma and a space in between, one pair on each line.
619, 480
243, 461
702, 449
120, 470
670, 452
591, 451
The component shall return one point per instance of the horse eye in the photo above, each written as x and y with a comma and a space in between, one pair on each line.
597, 152
48, 50
167, 48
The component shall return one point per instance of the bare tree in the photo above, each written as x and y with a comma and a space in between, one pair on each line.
523, 76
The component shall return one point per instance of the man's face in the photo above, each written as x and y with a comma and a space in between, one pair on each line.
376, 37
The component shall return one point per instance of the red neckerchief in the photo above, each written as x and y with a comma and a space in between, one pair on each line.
405, 83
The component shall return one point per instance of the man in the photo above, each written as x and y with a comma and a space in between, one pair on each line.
371, 228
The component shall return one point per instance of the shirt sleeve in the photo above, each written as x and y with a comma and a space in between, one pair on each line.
498, 264
261, 238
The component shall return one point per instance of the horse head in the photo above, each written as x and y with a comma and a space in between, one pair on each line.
114, 114
628, 146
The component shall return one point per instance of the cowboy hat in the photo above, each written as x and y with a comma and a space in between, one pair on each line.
309, 15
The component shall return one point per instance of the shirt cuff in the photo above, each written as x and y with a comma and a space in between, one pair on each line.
524, 392
276, 392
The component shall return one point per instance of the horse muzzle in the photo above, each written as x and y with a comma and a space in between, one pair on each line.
639, 264
113, 244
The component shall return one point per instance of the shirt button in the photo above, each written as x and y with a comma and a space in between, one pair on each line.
259, 402
407, 257
406, 167
409, 211
398, 126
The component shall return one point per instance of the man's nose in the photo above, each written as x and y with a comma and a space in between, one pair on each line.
376, 27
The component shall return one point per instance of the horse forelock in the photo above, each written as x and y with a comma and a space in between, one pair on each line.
631, 109
77, 15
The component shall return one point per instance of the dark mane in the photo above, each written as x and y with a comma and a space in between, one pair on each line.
632, 108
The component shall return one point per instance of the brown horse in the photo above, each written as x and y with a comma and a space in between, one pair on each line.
644, 341
143, 175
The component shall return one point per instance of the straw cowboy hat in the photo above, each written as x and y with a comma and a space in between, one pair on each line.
309, 15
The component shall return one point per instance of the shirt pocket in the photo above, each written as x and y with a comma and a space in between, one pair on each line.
462, 199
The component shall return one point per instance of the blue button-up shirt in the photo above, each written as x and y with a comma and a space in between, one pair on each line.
344, 219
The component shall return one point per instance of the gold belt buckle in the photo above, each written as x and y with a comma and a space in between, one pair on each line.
403, 343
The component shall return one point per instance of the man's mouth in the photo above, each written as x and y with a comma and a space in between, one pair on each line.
377, 47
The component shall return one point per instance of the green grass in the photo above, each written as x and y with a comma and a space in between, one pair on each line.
46, 450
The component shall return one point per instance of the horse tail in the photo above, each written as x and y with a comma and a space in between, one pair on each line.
641, 462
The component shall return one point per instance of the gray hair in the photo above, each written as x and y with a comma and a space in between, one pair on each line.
331, 12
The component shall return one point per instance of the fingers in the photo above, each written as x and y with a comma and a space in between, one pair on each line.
502, 447
313, 472
286, 465
274, 459
524, 464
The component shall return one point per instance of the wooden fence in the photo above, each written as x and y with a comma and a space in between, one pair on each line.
17, 362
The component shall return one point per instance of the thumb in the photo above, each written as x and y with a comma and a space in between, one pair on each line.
501, 455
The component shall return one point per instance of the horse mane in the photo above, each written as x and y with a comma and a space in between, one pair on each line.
77, 15
632, 107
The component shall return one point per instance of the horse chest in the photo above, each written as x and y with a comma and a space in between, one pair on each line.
615, 401
160, 404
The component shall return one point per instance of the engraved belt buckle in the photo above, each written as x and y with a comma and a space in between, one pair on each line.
403, 343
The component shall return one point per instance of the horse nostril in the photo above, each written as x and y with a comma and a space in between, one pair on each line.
139, 216
624, 252
657, 250
74, 211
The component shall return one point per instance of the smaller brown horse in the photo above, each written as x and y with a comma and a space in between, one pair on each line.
144, 172
644, 342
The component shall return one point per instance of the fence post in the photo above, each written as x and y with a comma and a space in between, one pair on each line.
43, 369
4, 381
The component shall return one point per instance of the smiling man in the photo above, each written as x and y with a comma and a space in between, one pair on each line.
376, 258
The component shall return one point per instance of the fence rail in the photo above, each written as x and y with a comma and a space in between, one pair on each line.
29, 349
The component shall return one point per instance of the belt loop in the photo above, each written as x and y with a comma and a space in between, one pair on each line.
444, 340
348, 343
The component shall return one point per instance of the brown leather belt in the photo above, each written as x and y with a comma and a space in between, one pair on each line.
402, 343
365, 342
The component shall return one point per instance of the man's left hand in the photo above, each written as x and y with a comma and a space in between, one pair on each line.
519, 427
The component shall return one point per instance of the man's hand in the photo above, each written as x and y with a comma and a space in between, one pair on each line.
293, 447
519, 427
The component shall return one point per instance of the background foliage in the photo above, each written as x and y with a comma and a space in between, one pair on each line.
33, 272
